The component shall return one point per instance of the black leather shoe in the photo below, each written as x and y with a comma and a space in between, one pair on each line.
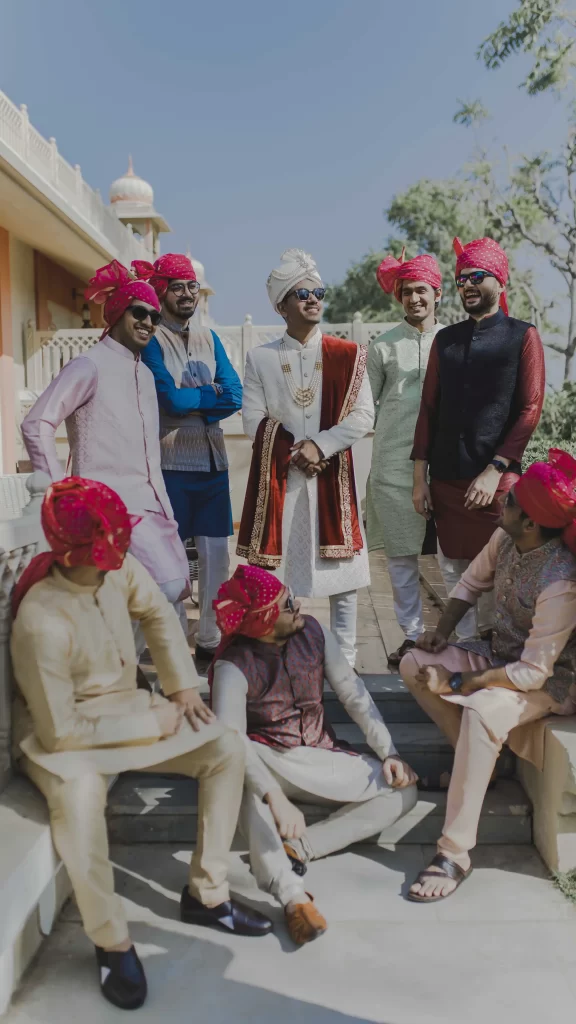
122, 978
232, 916
395, 657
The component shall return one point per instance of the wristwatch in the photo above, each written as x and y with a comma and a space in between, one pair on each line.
500, 466
455, 682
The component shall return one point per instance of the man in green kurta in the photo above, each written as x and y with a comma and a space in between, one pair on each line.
397, 363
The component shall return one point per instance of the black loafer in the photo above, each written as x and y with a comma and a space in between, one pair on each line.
122, 978
395, 657
232, 916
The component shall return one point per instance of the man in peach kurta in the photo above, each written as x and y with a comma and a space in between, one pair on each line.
485, 693
80, 718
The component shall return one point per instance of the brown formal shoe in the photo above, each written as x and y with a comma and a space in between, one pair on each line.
305, 922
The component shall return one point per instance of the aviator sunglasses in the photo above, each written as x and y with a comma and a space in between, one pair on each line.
140, 313
303, 294
476, 277
290, 599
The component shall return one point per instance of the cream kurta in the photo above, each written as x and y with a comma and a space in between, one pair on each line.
266, 393
75, 665
396, 368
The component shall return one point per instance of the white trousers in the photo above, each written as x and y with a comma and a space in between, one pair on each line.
348, 823
404, 577
213, 571
481, 616
171, 590
343, 616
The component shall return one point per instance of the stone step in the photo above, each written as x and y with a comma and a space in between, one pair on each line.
390, 695
424, 747
163, 809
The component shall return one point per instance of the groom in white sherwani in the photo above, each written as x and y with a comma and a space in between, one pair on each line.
307, 400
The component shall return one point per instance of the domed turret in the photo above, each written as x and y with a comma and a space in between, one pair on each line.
131, 189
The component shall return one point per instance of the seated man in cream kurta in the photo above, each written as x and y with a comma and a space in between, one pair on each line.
267, 682
306, 402
82, 719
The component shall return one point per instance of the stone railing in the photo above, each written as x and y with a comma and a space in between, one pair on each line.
42, 158
20, 539
48, 351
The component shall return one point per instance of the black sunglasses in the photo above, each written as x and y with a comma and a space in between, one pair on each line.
140, 313
476, 277
290, 599
510, 500
303, 294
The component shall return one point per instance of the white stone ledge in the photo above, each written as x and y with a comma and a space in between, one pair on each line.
33, 883
553, 795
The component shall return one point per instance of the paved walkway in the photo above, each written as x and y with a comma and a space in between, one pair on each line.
502, 949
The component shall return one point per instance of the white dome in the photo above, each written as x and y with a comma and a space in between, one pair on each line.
131, 189
199, 270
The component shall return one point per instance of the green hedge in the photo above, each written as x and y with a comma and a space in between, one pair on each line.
557, 427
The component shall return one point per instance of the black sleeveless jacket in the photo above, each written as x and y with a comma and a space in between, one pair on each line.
478, 367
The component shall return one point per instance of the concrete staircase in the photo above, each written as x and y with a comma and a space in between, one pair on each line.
151, 808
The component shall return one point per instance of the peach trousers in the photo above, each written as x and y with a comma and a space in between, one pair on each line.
477, 726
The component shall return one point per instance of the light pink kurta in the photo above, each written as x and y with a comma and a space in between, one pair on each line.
108, 399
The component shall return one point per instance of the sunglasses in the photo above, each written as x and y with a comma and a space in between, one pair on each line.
476, 277
179, 289
140, 313
290, 599
303, 294
510, 501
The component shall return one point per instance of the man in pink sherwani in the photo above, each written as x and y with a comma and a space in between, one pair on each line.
108, 399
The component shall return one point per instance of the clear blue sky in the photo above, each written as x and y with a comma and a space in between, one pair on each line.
263, 126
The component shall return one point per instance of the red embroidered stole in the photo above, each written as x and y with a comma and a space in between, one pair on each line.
260, 537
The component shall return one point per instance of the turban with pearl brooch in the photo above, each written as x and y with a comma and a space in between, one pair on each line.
484, 254
85, 523
392, 272
295, 266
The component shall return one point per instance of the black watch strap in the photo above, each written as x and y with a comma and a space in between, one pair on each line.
500, 466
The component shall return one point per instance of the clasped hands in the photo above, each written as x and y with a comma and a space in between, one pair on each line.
307, 456
435, 677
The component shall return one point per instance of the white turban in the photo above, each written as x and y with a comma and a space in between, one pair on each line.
295, 265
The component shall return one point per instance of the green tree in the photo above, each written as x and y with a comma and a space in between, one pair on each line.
544, 29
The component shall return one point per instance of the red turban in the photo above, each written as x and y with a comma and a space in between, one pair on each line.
170, 267
114, 286
247, 605
85, 523
392, 272
484, 254
547, 493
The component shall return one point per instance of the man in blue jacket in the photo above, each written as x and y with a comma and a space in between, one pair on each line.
196, 387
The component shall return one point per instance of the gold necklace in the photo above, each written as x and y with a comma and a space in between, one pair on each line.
303, 397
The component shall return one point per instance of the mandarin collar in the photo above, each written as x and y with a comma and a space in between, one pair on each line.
296, 346
488, 321
119, 349
415, 333
63, 583
175, 328
554, 542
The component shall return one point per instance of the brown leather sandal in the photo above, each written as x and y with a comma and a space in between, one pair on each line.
448, 869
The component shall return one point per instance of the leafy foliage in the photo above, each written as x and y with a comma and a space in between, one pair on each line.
557, 427
539, 28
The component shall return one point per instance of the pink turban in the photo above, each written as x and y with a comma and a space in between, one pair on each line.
485, 254
167, 268
392, 272
114, 286
547, 493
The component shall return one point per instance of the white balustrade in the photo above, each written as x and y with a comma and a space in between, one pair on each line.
48, 351
20, 540
42, 157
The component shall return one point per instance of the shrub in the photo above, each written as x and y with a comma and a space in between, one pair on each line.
557, 427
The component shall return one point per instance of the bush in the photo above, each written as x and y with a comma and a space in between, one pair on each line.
557, 427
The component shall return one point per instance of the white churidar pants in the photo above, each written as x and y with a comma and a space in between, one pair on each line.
404, 577
213, 571
348, 823
343, 615
480, 617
